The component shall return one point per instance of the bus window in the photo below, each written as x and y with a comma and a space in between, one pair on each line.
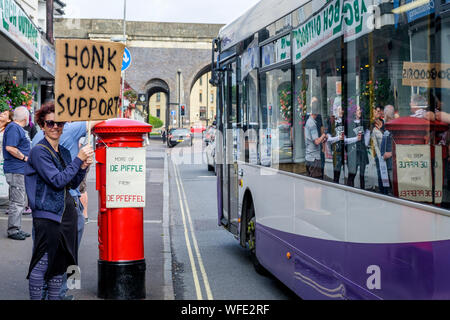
441, 100
319, 121
372, 83
276, 104
249, 99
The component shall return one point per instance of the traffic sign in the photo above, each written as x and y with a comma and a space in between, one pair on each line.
142, 98
172, 112
126, 59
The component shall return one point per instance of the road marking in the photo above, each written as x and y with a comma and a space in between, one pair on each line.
145, 221
188, 243
90, 220
23, 219
194, 240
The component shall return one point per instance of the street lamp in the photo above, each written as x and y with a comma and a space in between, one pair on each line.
125, 41
179, 98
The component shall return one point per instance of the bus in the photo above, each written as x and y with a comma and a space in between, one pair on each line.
332, 144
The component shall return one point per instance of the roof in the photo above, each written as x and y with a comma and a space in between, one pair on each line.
257, 17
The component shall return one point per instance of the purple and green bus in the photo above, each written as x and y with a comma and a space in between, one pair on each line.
332, 148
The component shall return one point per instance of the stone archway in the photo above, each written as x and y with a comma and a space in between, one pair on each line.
200, 73
154, 86
202, 97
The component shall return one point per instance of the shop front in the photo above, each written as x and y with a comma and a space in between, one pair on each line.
27, 60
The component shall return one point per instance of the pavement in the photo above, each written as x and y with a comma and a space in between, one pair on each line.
15, 255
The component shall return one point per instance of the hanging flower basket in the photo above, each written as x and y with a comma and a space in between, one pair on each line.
285, 104
15, 95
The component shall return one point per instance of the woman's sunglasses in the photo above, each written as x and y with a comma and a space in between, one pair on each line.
51, 124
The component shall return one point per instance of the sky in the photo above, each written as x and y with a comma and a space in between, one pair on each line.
190, 11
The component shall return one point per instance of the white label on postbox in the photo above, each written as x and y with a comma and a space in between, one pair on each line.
125, 177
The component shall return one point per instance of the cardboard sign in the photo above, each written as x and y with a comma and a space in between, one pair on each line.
87, 80
125, 177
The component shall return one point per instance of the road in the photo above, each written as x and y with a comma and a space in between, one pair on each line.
208, 262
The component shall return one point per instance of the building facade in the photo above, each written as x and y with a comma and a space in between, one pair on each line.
203, 101
27, 55
157, 107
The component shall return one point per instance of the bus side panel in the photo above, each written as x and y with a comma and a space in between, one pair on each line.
374, 271
308, 278
373, 247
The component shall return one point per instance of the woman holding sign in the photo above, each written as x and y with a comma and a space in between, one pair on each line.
49, 174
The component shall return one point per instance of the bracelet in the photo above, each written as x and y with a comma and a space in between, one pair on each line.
24, 158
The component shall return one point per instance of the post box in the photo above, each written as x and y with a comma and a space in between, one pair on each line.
120, 182
418, 158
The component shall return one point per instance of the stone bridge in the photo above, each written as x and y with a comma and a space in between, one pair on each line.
166, 57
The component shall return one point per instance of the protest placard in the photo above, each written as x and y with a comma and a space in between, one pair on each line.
125, 177
87, 80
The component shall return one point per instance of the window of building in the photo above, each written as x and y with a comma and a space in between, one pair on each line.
203, 113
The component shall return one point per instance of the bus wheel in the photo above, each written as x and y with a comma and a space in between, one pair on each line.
251, 240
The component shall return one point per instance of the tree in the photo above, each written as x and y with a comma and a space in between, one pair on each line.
155, 122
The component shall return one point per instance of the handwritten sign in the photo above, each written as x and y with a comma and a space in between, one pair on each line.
414, 173
426, 75
87, 80
125, 177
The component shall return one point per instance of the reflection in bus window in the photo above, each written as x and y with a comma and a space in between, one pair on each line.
276, 99
250, 96
359, 74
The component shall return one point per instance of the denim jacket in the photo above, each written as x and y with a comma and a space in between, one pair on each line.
47, 181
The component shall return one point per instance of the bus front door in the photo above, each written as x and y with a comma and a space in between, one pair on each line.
230, 134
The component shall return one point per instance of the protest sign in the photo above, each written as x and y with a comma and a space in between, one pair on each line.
125, 178
87, 80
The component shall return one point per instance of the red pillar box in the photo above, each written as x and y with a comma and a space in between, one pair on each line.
120, 181
418, 159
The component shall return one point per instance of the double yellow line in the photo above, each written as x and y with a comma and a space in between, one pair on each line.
189, 233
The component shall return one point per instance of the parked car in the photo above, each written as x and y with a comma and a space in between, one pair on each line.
210, 151
210, 135
179, 135
198, 129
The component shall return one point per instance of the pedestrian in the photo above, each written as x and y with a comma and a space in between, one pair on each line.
337, 139
376, 136
16, 147
420, 109
386, 145
31, 130
70, 137
313, 142
50, 174
83, 192
163, 135
357, 152
6, 117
